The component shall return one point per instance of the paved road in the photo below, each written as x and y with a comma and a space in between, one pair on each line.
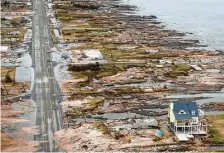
46, 92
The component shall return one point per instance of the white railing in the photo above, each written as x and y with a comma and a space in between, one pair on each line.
182, 125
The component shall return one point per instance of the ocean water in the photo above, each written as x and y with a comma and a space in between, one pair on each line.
203, 18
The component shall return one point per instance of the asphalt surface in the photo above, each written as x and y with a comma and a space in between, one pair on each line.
46, 92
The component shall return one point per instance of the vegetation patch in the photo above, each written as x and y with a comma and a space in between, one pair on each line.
126, 139
94, 103
61, 15
8, 74
94, 46
76, 112
182, 67
179, 70
127, 89
101, 126
104, 71
13, 33
84, 67
216, 128
17, 21
114, 54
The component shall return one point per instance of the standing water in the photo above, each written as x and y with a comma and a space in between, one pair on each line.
203, 18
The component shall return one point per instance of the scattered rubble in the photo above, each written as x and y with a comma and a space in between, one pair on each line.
118, 72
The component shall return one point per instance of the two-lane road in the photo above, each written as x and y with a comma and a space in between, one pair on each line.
46, 92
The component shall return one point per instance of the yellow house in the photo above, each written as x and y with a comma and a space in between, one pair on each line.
183, 117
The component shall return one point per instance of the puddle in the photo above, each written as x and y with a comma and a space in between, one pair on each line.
67, 46
213, 112
145, 84
25, 60
105, 105
9, 39
196, 62
54, 22
57, 34
154, 110
31, 116
106, 116
118, 116
9, 62
61, 73
25, 74
24, 71
83, 120
213, 70
13, 59
216, 147
206, 97
206, 61
28, 36
60, 70
56, 56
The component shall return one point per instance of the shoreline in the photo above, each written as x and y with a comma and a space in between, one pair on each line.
194, 23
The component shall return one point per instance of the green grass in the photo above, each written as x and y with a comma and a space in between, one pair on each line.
182, 67
219, 116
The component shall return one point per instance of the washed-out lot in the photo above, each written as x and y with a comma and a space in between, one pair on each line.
144, 70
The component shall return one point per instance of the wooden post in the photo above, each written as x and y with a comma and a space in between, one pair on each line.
10, 39
5, 87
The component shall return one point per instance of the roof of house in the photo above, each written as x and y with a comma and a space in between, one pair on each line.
185, 110
197, 68
4, 48
93, 53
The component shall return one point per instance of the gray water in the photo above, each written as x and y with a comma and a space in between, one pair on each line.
203, 18
206, 97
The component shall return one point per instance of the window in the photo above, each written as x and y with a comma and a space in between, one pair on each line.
182, 112
194, 120
192, 112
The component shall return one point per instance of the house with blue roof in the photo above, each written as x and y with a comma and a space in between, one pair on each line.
185, 118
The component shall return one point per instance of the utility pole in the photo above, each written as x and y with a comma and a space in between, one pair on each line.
10, 39
8, 3
112, 59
